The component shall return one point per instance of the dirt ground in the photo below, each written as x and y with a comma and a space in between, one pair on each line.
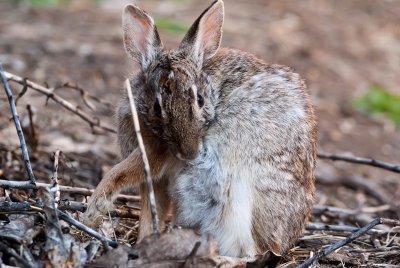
341, 48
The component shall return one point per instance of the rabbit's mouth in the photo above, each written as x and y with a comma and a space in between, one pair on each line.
179, 156
189, 157
187, 154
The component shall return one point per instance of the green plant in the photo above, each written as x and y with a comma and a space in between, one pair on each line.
379, 101
43, 3
171, 25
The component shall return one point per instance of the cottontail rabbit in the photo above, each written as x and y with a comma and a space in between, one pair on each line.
231, 140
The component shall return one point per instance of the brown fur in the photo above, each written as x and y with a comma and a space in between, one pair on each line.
211, 119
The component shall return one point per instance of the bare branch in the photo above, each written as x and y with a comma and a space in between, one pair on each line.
311, 226
26, 207
361, 160
7, 207
21, 137
31, 124
149, 182
80, 90
348, 239
191, 255
125, 212
85, 96
68, 189
106, 242
55, 187
18, 185
22, 93
93, 122
71, 205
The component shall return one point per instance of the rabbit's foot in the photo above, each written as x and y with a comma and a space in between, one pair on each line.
94, 213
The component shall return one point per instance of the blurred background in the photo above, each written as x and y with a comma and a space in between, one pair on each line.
348, 51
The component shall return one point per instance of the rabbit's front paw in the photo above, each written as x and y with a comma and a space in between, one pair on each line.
94, 213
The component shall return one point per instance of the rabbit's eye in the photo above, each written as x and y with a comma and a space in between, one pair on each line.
157, 108
200, 100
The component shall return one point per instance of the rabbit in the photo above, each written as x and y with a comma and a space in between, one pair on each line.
231, 140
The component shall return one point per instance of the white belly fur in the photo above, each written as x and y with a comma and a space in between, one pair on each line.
218, 201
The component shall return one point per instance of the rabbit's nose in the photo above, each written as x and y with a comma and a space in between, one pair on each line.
188, 152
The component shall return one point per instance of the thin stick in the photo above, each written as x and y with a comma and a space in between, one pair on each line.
71, 205
31, 126
21, 185
105, 241
7, 207
191, 255
21, 137
149, 182
361, 160
93, 122
311, 226
55, 188
347, 240
85, 96
21, 93
68, 189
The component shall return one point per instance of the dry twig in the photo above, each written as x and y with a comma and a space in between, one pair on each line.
85, 96
348, 239
55, 187
105, 241
27, 208
22, 93
21, 137
361, 160
68, 189
311, 226
32, 127
93, 121
191, 255
149, 182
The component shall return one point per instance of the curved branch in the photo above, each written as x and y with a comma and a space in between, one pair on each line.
93, 122
361, 160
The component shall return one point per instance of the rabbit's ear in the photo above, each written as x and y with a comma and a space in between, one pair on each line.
141, 39
204, 36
